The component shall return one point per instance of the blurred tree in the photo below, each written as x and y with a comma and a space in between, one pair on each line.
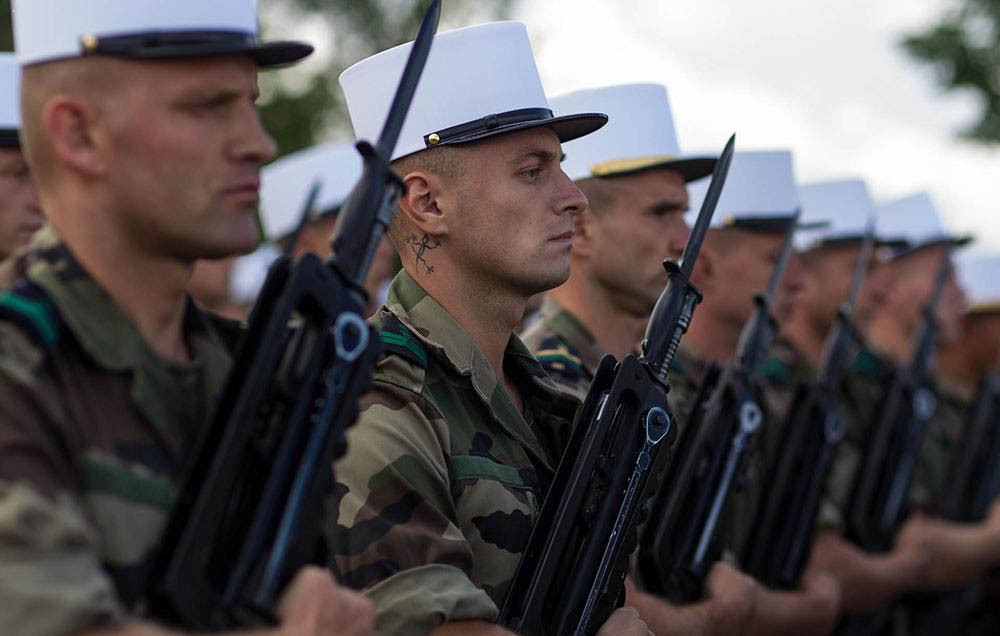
298, 111
6, 32
964, 49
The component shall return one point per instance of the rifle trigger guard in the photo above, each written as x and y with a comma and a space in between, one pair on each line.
750, 417
350, 345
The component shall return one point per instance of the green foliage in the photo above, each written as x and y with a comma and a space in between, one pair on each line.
299, 117
6, 27
964, 49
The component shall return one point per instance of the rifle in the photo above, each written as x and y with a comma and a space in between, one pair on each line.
877, 505
572, 574
785, 522
974, 484
679, 544
878, 501
248, 514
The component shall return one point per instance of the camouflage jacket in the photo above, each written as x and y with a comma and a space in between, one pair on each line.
444, 477
93, 432
941, 447
564, 347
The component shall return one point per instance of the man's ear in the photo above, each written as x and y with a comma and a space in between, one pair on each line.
704, 272
68, 124
420, 204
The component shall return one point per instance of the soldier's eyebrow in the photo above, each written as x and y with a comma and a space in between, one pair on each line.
664, 206
543, 155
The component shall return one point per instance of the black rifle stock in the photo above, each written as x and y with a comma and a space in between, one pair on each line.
974, 484
248, 514
785, 522
572, 574
878, 502
679, 544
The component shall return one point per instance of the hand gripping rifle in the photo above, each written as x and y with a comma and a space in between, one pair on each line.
248, 514
974, 484
679, 545
878, 500
572, 574
785, 522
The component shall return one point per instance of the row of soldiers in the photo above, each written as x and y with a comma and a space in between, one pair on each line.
138, 123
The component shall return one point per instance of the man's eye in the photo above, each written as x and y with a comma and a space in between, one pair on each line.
531, 173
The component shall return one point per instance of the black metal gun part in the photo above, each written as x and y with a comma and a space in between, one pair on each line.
680, 543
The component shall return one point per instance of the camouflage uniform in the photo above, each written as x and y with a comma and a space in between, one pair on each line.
445, 477
941, 446
860, 394
564, 347
93, 431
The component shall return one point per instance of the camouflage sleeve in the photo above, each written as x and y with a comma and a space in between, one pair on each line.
402, 542
939, 452
51, 579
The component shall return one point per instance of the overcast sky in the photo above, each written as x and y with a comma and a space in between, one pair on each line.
827, 79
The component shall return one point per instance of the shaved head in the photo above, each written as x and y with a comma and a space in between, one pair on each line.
94, 83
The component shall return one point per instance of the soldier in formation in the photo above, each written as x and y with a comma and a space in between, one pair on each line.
139, 126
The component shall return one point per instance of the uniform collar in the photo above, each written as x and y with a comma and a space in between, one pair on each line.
438, 330
109, 337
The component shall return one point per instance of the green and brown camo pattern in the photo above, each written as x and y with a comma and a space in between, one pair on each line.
444, 477
567, 351
93, 431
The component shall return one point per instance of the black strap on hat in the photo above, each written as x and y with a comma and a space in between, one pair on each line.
10, 138
474, 128
161, 43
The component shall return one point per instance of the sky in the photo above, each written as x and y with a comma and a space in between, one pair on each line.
826, 79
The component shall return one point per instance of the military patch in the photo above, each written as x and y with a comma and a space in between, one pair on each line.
398, 340
867, 363
776, 370
29, 307
558, 360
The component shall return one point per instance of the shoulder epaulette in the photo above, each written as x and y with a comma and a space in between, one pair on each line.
28, 306
558, 360
776, 370
397, 339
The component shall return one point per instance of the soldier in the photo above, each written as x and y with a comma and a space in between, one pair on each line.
965, 360
459, 437
756, 211
20, 214
956, 553
284, 184
829, 257
633, 175
140, 128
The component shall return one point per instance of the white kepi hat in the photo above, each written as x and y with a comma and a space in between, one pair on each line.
760, 192
286, 182
639, 136
479, 81
10, 98
47, 30
914, 220
844, 204
978, 277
